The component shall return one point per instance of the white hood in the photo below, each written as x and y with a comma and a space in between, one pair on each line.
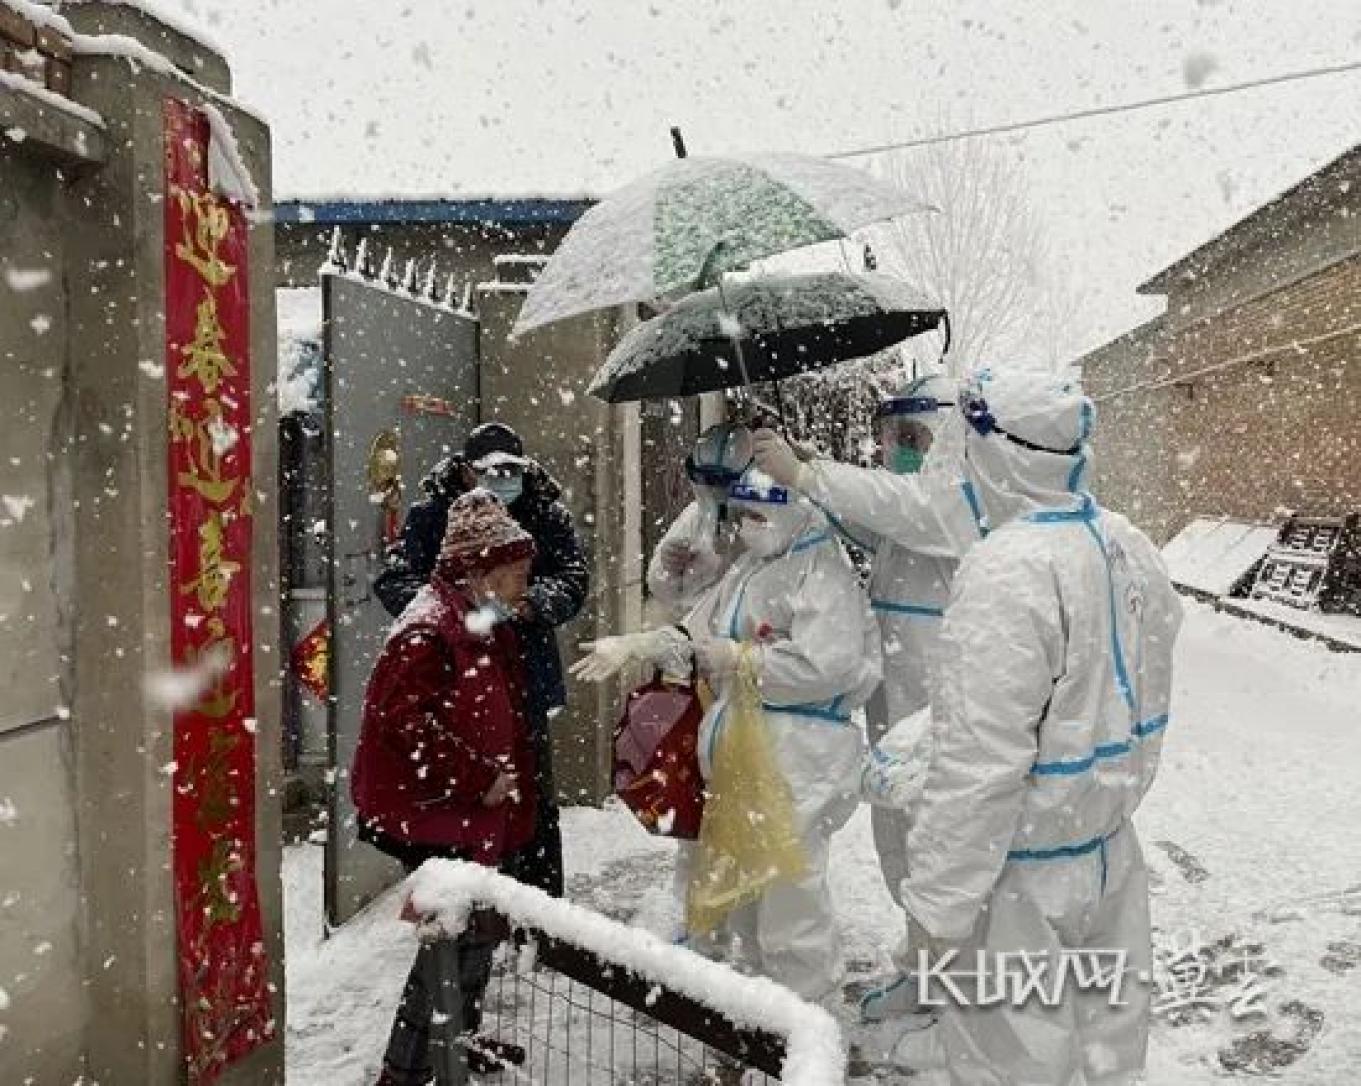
1034, 454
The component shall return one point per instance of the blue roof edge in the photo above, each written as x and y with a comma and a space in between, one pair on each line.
339, 212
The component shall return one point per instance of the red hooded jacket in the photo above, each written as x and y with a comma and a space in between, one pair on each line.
443, 714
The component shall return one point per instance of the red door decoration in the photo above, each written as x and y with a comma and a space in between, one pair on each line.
224, 982
311, 661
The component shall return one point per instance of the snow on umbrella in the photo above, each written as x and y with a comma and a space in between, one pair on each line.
660, 233
763, 329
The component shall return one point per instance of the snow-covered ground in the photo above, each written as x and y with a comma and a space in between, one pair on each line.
1252, 835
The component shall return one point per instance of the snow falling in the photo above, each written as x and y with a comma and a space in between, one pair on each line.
885, 477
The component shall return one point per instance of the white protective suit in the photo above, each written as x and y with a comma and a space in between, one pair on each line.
917, 527
818, 661
703, 529
1050, 701
678, 592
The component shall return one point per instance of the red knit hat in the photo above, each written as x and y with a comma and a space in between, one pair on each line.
480, 536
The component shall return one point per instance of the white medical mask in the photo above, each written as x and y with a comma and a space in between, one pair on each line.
488, 613
499, 608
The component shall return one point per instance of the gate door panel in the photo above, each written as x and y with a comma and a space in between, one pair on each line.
401, 376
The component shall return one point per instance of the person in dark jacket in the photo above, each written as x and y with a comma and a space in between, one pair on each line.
494, 458
445, 761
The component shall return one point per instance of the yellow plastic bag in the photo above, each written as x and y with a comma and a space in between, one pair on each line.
748, 839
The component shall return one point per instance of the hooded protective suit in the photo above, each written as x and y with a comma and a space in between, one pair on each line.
793, 593
1049, 704
917, 526
697, 546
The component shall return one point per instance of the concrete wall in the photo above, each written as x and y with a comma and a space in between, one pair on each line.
89, 958
538, 386
1247, 413
40, 961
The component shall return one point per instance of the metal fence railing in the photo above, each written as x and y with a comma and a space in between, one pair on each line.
585, 1001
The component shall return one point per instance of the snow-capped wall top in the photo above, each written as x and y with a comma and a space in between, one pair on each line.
15, 81
120, 45
39, 15
171, 17
814, 1054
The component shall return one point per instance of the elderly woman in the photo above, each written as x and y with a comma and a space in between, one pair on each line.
445, 762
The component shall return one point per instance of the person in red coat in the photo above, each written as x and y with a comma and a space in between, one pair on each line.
445, 761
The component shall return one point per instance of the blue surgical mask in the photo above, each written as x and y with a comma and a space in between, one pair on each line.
505, 486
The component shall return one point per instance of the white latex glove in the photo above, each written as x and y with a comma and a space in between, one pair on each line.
888, 780
894, 770
777, 458
610, 655
717, 656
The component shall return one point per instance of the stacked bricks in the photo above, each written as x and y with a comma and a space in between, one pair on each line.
34, 51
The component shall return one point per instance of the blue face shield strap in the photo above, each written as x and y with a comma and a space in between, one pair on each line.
910, 405
767, 495
979, 416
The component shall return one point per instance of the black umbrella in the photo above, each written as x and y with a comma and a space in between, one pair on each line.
763, 329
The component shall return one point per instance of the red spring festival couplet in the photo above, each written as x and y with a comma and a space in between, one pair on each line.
224, 983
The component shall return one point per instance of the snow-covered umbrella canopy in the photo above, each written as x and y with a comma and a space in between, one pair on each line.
763, 329
662, 233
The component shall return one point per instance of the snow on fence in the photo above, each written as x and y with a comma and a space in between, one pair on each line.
607, 1003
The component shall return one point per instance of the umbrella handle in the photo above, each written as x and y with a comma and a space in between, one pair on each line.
706, 268
779, 406
945, 347
723, 300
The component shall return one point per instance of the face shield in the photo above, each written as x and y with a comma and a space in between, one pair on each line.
907, 428
720, 456
769, 518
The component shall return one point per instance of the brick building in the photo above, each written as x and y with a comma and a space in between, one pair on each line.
1243, 398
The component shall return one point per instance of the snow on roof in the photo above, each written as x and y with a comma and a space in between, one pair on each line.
1343, 628
1332, 182
298, 321
1211, 553
814, 1056
503, 208
299, 312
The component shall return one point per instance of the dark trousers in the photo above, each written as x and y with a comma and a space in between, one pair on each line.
539, 863
447, 985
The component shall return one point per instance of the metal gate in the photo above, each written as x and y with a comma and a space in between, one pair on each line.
401, 391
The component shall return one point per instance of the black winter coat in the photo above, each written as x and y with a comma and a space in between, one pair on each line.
558, 579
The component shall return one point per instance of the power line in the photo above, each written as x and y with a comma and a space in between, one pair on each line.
1098, 111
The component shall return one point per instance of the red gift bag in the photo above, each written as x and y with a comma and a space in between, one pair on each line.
656, 758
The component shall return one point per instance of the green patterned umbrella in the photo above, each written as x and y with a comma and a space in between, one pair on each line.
680, 227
